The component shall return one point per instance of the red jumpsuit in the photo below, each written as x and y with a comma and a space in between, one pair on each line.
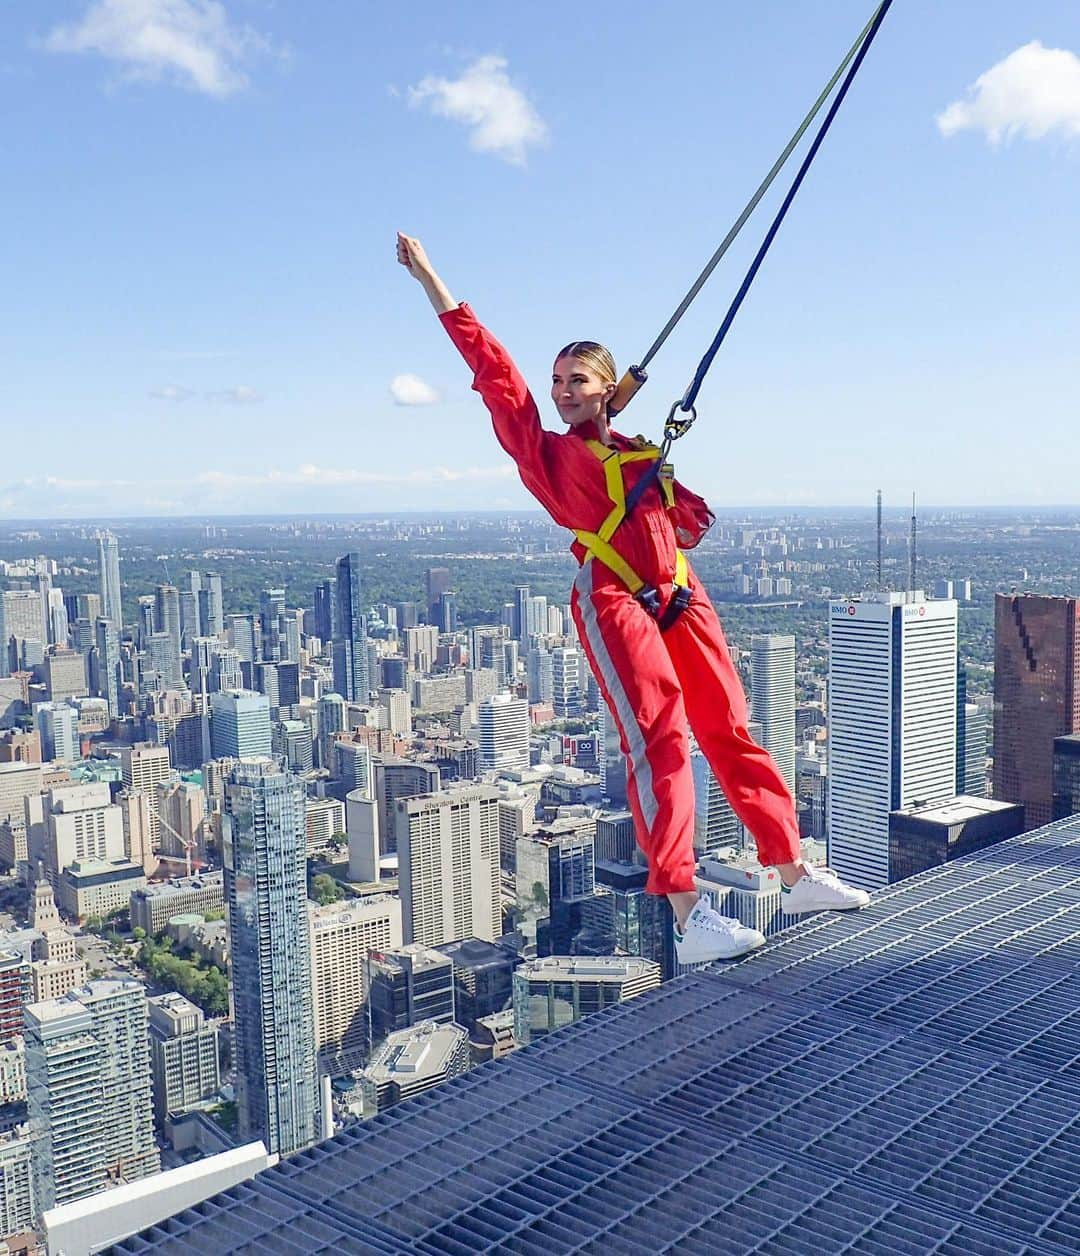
654, 683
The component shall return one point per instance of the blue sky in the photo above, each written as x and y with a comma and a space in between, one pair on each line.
204, 314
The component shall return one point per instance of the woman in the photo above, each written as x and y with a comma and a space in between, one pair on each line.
646, 625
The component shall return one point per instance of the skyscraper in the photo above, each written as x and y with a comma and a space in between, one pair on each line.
1066, 776
971, 749
107, 644
242, 636
165, 670
553, 864
57, 726
539, 672
556, 991
331, 721
109, 577
448, 855
189, 610
342, 935
1036, 695
612, 760
772, 660
183, 1055
290, 625
520, 615
436, 583
567, 681
211, 619
892, 722
504, 733
716, 826
88, 1080
265, 865
292, 741
536, 617
65, 1092
350, 645
120, 1022
143, 765
239, 724
271, 608
325, 611
407, 986
445, 617
144, 621
167, 619
15, 990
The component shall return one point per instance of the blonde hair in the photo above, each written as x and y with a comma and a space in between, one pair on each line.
593, 355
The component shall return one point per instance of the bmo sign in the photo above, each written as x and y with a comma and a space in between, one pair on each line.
842, 608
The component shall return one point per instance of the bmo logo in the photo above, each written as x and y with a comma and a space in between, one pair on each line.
843, 608
914, 612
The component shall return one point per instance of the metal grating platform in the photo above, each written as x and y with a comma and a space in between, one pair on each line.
902, 1080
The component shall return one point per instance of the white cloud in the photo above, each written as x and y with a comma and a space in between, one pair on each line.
311, 474
1033, 92
241, 395
189, 41
303, 487
411, 390
500, 118
171, 392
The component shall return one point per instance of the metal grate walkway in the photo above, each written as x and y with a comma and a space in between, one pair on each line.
902, 1080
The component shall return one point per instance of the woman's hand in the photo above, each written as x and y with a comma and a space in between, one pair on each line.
410, 253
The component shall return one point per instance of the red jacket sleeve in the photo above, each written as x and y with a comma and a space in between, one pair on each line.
690, 517
513, 409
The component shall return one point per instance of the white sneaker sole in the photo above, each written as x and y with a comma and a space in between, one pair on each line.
803, 911
708, 959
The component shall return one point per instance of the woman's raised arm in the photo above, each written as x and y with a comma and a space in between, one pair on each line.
410, 253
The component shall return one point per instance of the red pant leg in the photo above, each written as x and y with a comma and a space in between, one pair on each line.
716, 706
636, 676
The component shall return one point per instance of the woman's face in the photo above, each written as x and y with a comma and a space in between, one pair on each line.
579, 393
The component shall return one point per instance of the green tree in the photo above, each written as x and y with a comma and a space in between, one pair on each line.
324, 889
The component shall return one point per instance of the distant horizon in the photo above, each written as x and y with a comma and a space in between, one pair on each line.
894, 512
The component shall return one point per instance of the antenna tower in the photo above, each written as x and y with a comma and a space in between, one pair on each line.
914, 547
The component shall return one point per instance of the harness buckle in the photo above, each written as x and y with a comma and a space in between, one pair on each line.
681, 598
649, 599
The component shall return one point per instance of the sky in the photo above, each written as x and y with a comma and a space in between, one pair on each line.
204, 316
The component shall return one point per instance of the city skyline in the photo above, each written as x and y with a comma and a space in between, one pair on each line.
465, 793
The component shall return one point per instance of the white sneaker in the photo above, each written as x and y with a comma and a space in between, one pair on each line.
821, 890
708, 936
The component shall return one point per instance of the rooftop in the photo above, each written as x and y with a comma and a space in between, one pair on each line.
183, 885
415, 1052
594, 967
902, 1080
957, 810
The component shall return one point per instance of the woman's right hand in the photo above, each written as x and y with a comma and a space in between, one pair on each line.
410, 253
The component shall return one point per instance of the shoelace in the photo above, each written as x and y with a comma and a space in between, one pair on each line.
716, 923
824, 876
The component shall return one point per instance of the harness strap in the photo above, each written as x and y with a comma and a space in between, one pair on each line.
598, 544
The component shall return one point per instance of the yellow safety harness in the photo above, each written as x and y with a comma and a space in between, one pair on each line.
598, 544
